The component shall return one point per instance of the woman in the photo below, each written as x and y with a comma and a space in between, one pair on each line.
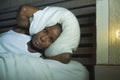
40, 41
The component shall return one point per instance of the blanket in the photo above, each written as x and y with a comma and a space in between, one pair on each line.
22, 67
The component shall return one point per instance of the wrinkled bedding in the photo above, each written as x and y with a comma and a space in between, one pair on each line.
23, 67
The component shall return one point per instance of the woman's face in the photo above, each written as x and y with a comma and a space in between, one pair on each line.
46, 37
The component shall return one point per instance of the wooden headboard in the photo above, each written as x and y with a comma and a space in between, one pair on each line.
84, 10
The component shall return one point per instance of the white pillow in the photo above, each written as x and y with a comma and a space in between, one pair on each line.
69, 39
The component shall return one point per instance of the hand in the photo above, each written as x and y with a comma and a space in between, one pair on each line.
24, 13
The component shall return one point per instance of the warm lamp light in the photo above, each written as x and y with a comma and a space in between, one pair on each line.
118, 34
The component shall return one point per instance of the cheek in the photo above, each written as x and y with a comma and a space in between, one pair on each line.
46, 44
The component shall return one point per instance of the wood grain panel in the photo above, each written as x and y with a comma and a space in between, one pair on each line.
72, 4
84, 11
84, 61
7, 23
86, 50
41, 2
7, 16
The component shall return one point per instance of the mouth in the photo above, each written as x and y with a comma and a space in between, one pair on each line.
36, 43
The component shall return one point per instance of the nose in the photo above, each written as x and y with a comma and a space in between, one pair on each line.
44, 38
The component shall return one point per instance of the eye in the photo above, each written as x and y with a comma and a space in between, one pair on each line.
45, 31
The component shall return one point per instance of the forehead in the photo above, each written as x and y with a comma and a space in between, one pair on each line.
54, 31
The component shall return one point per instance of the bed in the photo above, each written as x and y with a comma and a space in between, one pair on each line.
21, 67
85, 54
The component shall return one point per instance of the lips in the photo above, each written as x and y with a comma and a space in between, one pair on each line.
36, 42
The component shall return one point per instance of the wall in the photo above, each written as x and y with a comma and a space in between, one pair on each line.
114, 26
102, 32
107, 73
108, 22
108, 45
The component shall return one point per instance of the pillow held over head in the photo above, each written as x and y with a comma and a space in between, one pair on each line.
68, 41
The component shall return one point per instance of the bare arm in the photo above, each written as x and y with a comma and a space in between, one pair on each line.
64, 58
24, 13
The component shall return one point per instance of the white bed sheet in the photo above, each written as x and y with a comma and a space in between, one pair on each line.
22, 67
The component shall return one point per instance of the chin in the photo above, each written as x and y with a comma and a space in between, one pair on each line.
37, 47
33, 46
